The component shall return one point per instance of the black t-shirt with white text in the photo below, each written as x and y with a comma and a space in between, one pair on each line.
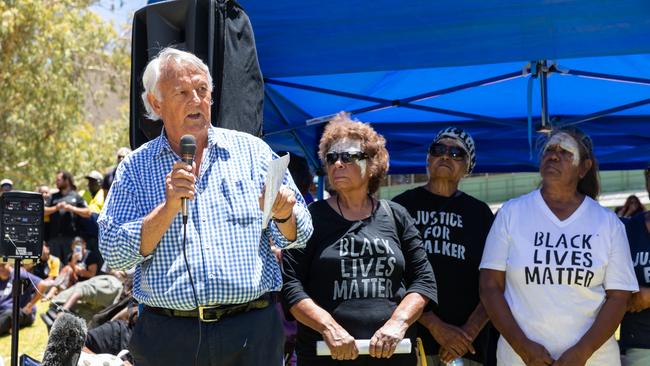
635, 328
358, 271
453, 231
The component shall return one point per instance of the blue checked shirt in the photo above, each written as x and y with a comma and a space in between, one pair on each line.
228, 253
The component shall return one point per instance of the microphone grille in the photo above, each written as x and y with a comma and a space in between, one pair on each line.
188, 145
66, 339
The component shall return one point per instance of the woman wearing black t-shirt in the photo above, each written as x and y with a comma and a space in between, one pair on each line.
635, 328
454, 226
363, 273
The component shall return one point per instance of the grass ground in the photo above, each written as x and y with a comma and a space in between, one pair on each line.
31, 340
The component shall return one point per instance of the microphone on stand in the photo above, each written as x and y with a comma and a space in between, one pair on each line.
188, 149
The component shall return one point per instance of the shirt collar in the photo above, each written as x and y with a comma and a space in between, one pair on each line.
216, 137
162, 143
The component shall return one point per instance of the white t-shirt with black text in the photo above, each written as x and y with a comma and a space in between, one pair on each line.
557, 272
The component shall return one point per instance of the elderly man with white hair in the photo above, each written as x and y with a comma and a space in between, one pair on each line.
206, 287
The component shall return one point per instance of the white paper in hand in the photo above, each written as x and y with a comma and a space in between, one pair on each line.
277, 168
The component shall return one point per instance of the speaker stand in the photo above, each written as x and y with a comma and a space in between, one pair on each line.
15, 314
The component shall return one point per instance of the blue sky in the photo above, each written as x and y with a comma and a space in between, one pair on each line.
120, 16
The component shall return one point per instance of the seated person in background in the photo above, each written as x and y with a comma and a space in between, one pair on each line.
84, 262
82, 265
48, 266
88, 297
112, 337
26, 300
631, 207
119, 310
65, 279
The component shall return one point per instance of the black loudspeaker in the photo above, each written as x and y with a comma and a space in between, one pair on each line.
220, 33
21, 225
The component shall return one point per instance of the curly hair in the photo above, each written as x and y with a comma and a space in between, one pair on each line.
372, 143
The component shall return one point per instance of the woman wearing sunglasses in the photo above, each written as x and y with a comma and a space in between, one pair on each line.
556, 273
454, 226
364, 274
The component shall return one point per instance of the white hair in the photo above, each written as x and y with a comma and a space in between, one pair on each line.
153, 71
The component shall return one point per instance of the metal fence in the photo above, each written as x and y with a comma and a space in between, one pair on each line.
494, 188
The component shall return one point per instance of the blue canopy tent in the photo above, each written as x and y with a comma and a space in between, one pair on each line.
411, 68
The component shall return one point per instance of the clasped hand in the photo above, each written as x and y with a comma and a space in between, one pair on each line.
385, 340
340, 343
454, 341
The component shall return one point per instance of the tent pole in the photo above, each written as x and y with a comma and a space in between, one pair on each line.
316, 89
473, 84
405, 103
321, 187
471, 116
543, 86
608, 77
415, 98
605, 112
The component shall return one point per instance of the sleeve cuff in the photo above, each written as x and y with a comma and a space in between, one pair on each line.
494, 266
123, 248
432, 296
303, 231
622, 287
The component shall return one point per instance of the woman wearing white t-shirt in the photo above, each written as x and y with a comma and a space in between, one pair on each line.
556, 272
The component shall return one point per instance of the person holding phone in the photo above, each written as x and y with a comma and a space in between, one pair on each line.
84, 262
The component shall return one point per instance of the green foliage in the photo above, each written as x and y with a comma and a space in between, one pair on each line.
56, 58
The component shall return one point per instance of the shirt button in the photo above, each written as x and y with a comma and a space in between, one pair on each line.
212, 276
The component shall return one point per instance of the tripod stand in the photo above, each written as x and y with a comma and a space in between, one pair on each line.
16, 291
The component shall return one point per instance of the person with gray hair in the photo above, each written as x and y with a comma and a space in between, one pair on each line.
120, 154
206, 278
454, 226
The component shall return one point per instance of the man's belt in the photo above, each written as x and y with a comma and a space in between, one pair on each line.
212, 313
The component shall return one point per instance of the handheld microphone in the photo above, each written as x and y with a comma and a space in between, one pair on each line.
188, 149
67, 338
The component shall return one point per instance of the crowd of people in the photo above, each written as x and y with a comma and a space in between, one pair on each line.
544, 282
71, 274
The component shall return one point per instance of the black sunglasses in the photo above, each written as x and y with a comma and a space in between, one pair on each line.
454, 152
346, 157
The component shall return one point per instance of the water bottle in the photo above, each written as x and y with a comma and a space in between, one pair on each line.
456, 362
